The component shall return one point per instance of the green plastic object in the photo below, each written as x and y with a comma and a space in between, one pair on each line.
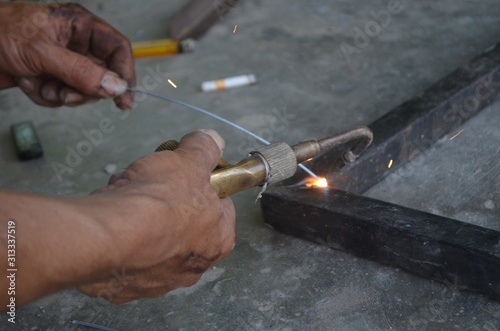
27, 143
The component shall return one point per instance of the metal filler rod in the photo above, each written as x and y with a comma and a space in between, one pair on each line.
217, 117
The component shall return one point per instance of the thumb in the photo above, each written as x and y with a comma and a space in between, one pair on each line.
81, 73
205, 148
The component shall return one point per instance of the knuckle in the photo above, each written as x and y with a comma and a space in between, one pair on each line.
124, 44
68, 8
226, 248
119, 44
82, 64
200, 263
41, 102
190, 280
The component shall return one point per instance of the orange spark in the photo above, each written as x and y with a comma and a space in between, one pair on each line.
457, 134
321, 182
172, 83
235, 27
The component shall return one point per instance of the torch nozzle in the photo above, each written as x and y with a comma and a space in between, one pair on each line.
310, 149
279, 161
363, 135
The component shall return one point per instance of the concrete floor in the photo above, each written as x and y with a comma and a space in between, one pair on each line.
457, 178
271, 281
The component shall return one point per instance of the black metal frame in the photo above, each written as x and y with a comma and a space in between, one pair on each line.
436, 247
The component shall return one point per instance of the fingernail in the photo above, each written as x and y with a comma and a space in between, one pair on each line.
50, 95
116, 176
26, 85
113, 85
216, 137
70, 98
125, 101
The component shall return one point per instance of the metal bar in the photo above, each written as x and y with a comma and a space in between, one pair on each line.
414, 126
428, 245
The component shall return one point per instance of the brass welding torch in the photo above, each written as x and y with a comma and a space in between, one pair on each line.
278, 161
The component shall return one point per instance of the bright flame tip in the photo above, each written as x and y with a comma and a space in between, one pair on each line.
321, 182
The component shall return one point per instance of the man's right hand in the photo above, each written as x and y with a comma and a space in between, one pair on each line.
166, 221
157, 227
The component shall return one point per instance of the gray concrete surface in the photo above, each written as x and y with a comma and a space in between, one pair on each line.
459, 177
271, 281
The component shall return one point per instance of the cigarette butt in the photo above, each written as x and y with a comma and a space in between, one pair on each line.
162, 47
227, 83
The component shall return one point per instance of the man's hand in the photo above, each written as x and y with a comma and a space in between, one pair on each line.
61, 54
156, 227
166, 220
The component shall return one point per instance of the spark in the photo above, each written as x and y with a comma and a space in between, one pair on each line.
321, 182
235, 27
457, 134
172, 83
390, 164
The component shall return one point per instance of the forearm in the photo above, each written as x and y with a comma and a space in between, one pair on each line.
157, 227
58, 244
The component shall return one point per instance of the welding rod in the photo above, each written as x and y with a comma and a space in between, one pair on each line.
278, 161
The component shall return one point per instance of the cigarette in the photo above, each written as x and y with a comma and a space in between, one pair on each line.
227, 83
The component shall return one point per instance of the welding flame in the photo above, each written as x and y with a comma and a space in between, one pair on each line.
321, 182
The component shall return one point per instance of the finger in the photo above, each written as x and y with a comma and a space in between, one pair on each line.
185, 279
116, 176
71, 97
107, 44
116, 183
52, 93
123, 63
205, 148
81, 73
32, 87
6, 81
143, 285
57, 92
228, 224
